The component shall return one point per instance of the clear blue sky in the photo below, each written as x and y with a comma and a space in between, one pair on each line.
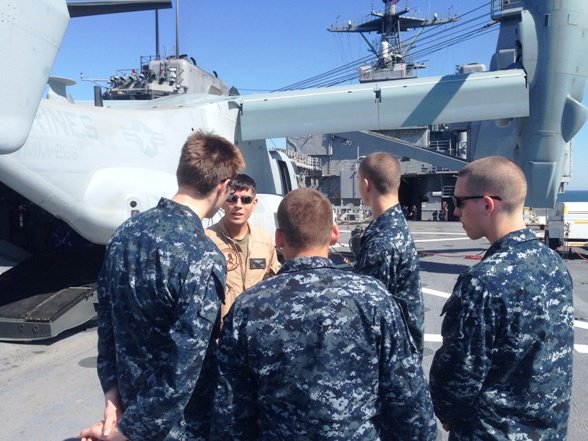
259, 46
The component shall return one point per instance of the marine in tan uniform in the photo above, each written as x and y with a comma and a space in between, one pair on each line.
249, 250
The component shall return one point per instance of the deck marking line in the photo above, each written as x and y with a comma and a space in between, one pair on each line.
446, 239
437, 233
435, 338
434, 292
580, 324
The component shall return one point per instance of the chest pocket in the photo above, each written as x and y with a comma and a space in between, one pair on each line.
256, 264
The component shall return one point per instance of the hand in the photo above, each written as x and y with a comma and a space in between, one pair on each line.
447, 426
95, 433
92, 433
106, 429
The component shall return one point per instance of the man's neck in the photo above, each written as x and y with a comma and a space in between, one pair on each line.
201, 205
321, 251
505, 226
236, 231
382, 203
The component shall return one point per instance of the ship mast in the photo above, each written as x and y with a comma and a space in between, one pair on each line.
391, 55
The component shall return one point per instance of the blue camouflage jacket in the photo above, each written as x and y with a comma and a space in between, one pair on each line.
388, 253
505, 368
159, 292
315, 353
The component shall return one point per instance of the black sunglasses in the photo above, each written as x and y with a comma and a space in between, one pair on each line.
245, 200
458, 200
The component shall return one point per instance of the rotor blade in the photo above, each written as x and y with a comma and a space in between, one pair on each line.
85, 9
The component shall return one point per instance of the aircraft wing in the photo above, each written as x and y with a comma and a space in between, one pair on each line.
387, 105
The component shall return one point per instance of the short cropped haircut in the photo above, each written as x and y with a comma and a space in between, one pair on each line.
496, 176
382, 170
207, 160
305, 217
244, 182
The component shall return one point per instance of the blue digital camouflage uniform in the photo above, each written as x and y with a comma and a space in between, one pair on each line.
315, 353
505, 368
388, 254
159, 292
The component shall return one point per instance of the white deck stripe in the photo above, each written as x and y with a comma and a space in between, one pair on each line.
437, 233
577, 323
436, 293
443, 239
435, 338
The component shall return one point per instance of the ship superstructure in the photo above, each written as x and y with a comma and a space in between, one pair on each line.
156, 78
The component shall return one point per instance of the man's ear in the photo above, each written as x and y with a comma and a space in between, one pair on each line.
223, 187
490, 205
334, 235
279, 238
367, 184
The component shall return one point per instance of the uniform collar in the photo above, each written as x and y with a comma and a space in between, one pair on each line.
180, 210
383, 220
510, 240
306, 263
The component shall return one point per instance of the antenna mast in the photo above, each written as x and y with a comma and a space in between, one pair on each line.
177, 29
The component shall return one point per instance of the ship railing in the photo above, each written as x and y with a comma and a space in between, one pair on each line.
301, 160
440, 145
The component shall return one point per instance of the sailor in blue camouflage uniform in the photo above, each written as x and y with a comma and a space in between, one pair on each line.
316, 353
159, 293
387, 249
504, 371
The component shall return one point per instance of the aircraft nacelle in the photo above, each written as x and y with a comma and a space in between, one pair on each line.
550, 42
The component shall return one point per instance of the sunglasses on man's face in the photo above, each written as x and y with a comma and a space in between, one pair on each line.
459, 200
245, 200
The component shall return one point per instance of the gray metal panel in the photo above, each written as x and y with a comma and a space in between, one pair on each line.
349, 185
81, 309
375, 106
